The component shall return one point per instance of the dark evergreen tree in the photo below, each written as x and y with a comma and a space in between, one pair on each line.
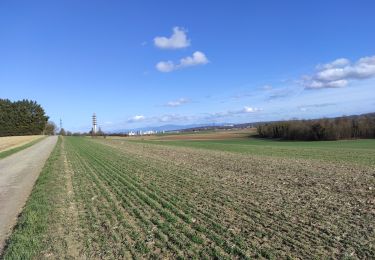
23, 117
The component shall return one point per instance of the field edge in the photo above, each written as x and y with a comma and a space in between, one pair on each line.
11, 151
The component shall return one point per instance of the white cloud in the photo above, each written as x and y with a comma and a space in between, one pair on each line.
178, 102
176, 41
336, 63
338, 73
165, 66
137, 118
198, 58
329, 84
232, 113
251, 109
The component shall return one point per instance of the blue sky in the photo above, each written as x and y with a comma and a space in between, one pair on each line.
142, 63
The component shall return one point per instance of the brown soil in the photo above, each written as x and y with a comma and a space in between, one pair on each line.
307, 208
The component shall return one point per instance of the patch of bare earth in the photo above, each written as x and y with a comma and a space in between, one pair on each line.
277, 206
10, 142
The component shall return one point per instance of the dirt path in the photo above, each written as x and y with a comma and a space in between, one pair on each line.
18, 174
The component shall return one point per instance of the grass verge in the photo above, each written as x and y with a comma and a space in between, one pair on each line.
27, 239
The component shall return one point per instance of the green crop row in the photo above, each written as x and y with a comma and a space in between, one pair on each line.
177, 183
137, 200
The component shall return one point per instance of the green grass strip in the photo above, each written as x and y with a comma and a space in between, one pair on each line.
19, 148
26, 241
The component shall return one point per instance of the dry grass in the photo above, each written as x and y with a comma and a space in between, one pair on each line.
10, 142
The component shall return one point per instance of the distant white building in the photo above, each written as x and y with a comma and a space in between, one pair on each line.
149, 132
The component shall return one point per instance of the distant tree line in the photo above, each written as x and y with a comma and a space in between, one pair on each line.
362, 126
68, 133
119, 134
98, 133
25, 117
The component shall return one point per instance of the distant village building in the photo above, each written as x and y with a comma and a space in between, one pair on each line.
150, 132
140, 132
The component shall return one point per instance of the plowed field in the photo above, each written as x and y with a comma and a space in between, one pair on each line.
121, 199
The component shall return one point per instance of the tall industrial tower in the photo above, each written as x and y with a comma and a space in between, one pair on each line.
94, 124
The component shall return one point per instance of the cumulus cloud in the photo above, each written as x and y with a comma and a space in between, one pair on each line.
176, 41
251, 109
337, 74
137, 118
165, 66
198, 58
178, 102
336, 63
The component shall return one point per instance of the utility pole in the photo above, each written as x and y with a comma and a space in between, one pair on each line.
60, 124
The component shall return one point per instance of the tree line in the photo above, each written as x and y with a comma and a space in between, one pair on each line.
349, 127
24, 117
